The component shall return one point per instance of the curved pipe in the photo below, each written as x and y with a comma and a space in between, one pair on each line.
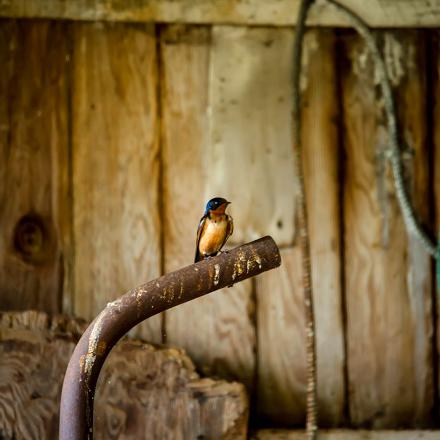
226, 269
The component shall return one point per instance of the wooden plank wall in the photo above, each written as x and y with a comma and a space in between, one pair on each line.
115, 159
387, 276
114, 135
34, 188
377, 13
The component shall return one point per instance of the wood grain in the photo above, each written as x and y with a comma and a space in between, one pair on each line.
143, 392
34, 205
249, 159
115, 165
159, 395
184, 99
281, 343
435, 156
281, 374
346, 434
377, 13
388, 278
217, 331
34, 351
321, 165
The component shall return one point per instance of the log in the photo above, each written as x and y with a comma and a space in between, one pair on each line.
143, 391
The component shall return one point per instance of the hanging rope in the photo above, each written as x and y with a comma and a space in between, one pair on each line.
311, 411
408, 213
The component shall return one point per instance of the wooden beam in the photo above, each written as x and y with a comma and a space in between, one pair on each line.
377, 13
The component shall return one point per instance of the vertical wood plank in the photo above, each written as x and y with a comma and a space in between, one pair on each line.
281, 380
34, 182
248, 158
217, 331
115, 165
321, 165
388, 278
281, 374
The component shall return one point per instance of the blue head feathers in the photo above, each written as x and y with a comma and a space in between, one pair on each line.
215, 203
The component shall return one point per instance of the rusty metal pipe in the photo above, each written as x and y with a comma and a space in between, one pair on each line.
76, 414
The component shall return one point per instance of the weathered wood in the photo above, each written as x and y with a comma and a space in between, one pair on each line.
34, 185
34, 351
159, 395
378, 13
115, 165
280, 317
217, 331
388, 279
434, 49
184, 100
345, 434
281, 375
143, 392
248, 157
321, 161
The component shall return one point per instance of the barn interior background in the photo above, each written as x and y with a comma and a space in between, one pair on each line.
118, 121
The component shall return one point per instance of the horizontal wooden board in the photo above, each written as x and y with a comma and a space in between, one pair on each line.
345, 434
377, 13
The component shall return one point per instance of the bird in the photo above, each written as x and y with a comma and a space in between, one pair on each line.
215, 227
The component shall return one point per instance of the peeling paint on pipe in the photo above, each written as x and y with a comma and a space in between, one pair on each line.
120, 316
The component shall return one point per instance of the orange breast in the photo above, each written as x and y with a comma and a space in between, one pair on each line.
213, 236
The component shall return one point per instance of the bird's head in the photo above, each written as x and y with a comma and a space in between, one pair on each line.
217, 205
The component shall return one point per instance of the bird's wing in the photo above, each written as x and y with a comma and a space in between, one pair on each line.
229, 229
199, 234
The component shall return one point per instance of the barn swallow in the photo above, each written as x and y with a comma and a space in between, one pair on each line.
214, 229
